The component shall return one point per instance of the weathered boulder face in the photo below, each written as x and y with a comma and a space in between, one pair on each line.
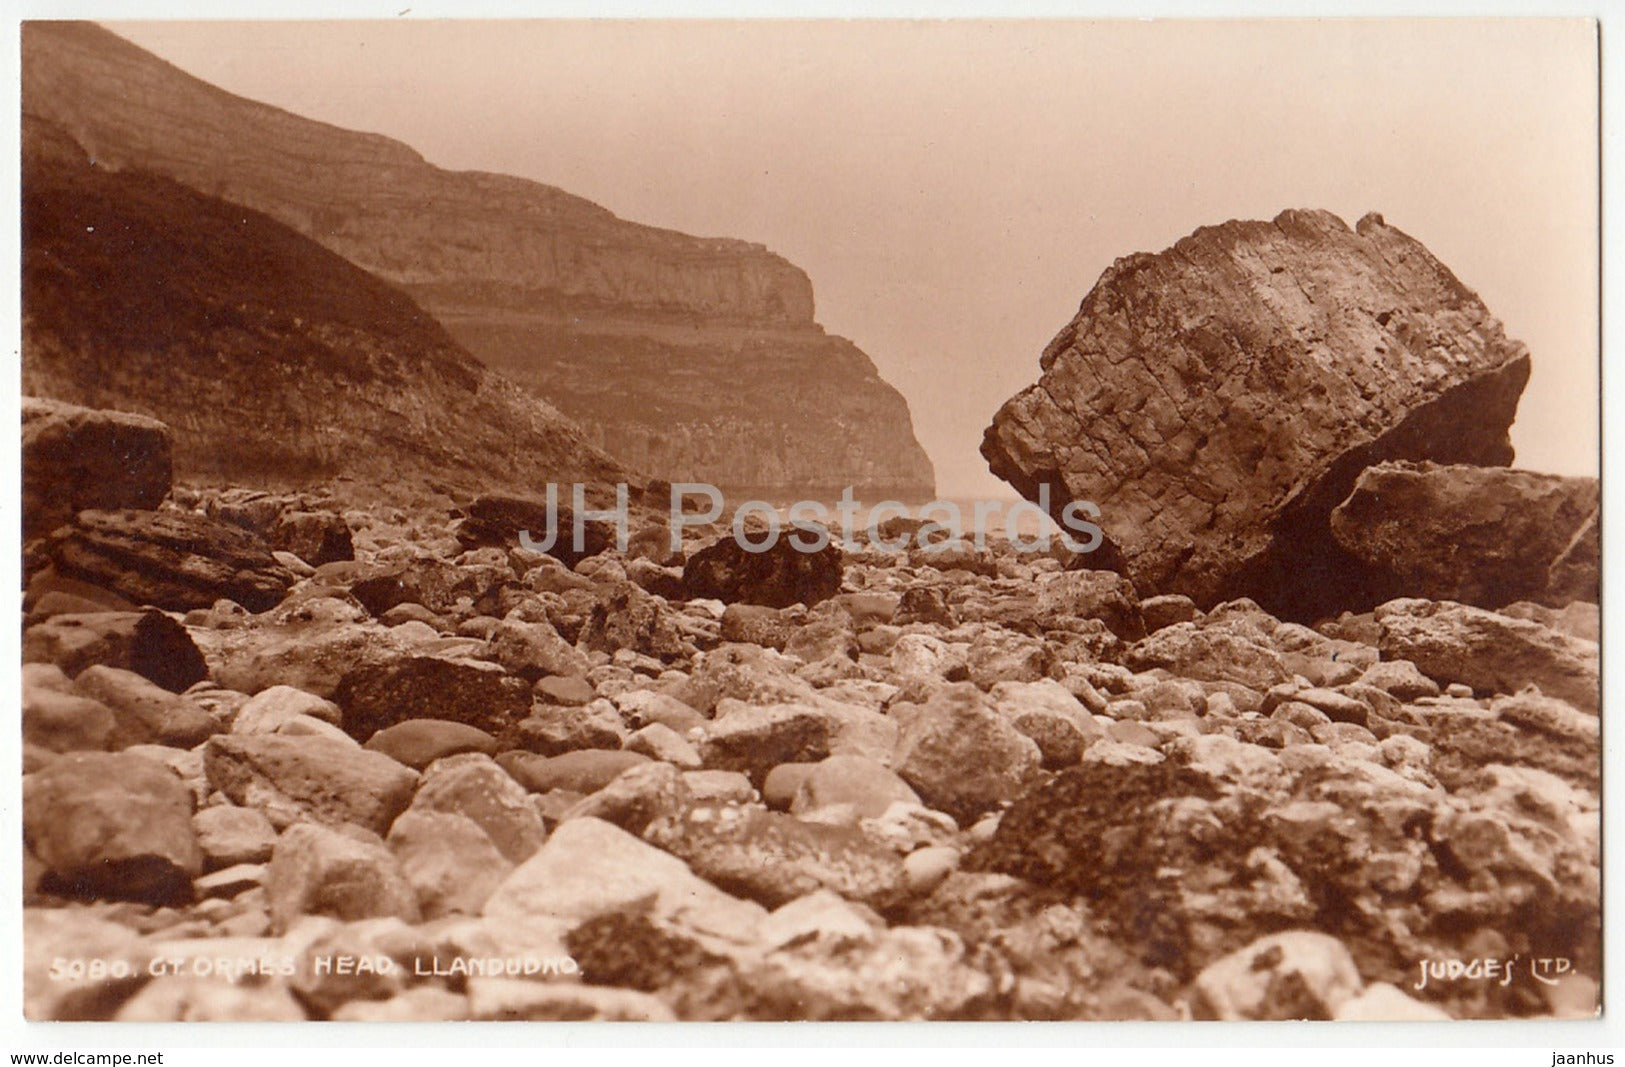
1217, 400
172, 560
76, 458
1485, 536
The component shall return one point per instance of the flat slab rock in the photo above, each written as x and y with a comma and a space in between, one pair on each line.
1216, 400
169, 559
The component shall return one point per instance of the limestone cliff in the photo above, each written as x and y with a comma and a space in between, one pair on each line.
597, 314
274, 361
1218, 399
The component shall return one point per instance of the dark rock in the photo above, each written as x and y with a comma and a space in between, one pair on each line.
317, 537
432, 583
497, 521
382, 693
1485, 536
776, 578
924, 604
419, 742
173, 560
113, 825
1223, 446
77, 458
149, 643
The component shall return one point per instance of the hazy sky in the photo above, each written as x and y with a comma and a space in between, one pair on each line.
954, 188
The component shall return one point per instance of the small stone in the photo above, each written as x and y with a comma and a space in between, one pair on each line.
267, 710
586, 771
448, 859
661, 742
720, 787
348, 875
638, 796
1299, 974
961, 756
566, 690
292, 778
419, 742
187, 999
869, 786
63, 721
926, 868
230, 835
589, 867
476, 787
231, 881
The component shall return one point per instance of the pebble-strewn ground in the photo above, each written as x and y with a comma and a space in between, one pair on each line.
441, 782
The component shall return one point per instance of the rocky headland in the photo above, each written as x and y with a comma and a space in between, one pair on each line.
692, 359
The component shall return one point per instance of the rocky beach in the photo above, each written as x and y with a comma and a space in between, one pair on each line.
309, 732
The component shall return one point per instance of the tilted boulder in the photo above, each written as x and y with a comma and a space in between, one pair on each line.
1217, 400
1485, 536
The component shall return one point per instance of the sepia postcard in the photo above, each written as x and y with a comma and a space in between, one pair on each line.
810, 520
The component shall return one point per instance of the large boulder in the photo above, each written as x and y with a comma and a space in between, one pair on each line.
781, 575
78, 458
113, 825
1491, 652
1219, 398
169, 559
1485, 536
